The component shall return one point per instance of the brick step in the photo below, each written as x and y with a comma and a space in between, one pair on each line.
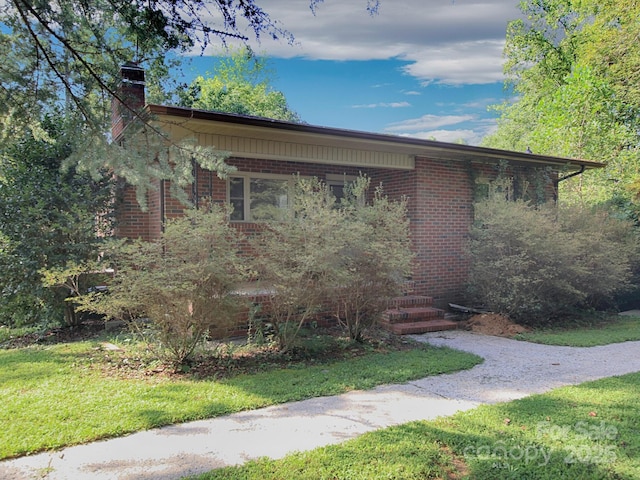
414, 314
411, 301
414, 328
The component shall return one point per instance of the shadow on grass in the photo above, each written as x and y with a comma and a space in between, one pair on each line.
589, 431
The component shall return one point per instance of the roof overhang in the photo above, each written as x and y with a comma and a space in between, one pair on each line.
256, 137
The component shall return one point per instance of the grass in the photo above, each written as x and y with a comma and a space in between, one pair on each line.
612, 330
590, 431
7, 333
58, 395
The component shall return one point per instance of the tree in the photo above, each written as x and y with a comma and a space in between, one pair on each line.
569, 102
49, 217
71, 52
240, 85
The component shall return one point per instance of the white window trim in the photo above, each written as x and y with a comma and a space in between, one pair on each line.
330, 179
338, 180
247, 189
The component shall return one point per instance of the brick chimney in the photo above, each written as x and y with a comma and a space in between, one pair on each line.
131, 92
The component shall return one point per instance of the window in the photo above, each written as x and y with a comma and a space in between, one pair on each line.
258, 197
337, 184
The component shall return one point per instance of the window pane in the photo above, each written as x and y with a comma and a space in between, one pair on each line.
268, 198
236, 198
337, 190
237, 213
236, 187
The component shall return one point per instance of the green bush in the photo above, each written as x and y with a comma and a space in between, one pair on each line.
183, 283
294, 258
348, 258
374, 257
534, 263
49, 216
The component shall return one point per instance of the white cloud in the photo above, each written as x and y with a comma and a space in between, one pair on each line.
427, 122
384, 105
481, 103
451, 42
470, 137
428, 127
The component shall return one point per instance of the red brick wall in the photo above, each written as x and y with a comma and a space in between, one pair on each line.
440, 195
131, 220
439, 207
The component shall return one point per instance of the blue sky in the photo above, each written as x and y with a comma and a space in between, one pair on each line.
423, 68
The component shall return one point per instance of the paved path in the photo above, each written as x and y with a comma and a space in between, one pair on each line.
511, 370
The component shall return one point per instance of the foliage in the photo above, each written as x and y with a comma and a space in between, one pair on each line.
569, 63
183, 282
49, 217
349, 258
374, 257
533, 263
241, 85
81, 381
74, 280
588, 431
293, 258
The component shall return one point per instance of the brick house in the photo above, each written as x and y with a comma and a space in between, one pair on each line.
440, 179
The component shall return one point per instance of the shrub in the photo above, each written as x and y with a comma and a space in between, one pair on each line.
374, 257
534, 263
49, 216
294, 259
348, 258
183, 282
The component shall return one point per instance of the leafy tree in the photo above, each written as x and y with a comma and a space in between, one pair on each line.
240, 85
569, 102
48, 217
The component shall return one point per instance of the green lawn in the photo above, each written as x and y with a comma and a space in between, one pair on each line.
57, 395
612, 330
588, 432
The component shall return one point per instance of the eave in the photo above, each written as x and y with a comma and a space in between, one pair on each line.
279, 140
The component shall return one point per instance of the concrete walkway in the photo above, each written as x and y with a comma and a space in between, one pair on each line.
511, 370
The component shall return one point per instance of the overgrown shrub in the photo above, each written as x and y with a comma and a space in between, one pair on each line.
183, 282
534, 263
294, 259
49, 217
374, 257
348, 258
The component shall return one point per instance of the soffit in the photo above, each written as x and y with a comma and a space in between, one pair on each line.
272, 139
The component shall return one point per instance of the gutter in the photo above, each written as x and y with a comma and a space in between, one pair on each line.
566, 177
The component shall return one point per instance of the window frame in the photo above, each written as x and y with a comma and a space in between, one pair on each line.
338, 180
247, 177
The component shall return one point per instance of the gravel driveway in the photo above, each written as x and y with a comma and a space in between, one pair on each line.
511, 370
